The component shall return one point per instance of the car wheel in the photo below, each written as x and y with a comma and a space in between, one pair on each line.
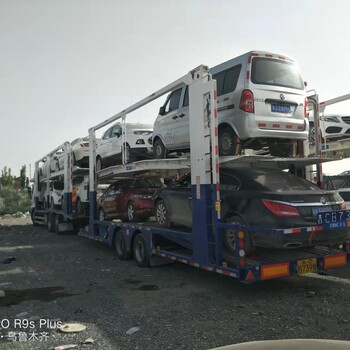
101, 215
141, 255
51, 222
227, 142
120, 247
162, 214
131, 212
159, 149
229, 237
99, 165
129, 156
74, 159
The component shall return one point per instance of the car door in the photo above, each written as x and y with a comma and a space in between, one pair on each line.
167, 123
181, 202
182, 133
109, 201
104, 147
116, 141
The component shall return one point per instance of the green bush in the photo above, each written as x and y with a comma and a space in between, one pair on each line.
14, 201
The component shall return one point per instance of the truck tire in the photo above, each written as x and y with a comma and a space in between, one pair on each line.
51, 222
32, 214
140, 252
120, 246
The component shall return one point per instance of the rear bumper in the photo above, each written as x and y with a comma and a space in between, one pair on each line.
299, 240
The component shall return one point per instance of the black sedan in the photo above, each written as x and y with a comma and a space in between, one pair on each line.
255, 197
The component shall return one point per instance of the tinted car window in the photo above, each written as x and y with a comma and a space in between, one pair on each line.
107, 134
173, 102
229, 183
58, 185
231, 78
268, 71
186, 102
219, 77
148, 183
345, 195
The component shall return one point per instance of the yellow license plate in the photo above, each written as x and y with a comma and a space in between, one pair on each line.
307, 266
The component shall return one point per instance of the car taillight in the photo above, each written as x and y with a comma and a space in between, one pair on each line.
343, 206
280, 209
306, 108
247, 101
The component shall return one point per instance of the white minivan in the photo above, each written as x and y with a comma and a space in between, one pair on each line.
261, 100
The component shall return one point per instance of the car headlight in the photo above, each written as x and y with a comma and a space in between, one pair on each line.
143, 196
140, 142
330, 119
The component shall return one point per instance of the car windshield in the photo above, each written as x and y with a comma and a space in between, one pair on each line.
267, 71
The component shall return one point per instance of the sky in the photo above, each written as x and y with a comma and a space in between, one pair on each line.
67, 65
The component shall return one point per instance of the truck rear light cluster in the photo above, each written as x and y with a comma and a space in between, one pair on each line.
280, 209
247, 101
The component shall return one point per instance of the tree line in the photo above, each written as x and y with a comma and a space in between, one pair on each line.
10, 181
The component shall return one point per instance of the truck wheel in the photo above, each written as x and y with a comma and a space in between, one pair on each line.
162, 214
227, 142
120, 246
51, 222
57, 223
32, 214
78, 207
131, 212
229, 237
141, 255
99, 165
159, 149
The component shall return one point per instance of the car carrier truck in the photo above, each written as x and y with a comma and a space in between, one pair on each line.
202, 246
58, 210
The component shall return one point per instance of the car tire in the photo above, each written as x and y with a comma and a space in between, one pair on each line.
51, 222
101, 215
74, 160
228, 236
161, 213
131, 212
99, 164
129, 155
227, 142
159, 149
140, 252
120, 246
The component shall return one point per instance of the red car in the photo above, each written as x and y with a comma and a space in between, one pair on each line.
128, 200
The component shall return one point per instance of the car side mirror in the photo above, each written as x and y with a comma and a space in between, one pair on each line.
162, 110
305, 83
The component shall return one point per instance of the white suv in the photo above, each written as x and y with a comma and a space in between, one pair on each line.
56, 188
261, 101
138, 144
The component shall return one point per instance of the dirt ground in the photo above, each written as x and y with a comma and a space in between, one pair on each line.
70, 279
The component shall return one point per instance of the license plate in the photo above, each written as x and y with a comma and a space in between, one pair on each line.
307, 266
318, 210
280, 108
334, 219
